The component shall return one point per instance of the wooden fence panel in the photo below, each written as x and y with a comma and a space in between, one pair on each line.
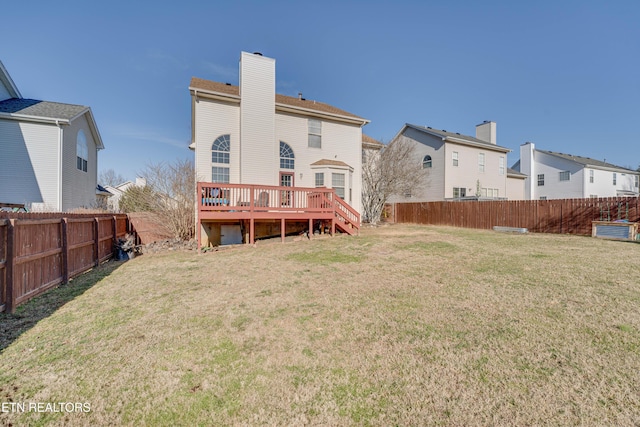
106, 238
40, 251
81, 242
3, 263
570, 216
37, 263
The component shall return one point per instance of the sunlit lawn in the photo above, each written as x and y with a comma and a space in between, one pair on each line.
403, 325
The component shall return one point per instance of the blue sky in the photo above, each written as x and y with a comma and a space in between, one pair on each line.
562, 74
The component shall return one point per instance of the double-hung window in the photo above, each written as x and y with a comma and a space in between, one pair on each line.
481, 162
337, 182
540, 179
454, 158
82, 151
315, 133
565, 176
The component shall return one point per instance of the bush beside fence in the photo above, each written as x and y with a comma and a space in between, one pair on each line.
40, 251
571, 216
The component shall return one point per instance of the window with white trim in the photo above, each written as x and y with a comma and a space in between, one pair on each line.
501, 165
459, 192
454, 158
319, 179
337, 182
220, 156
315, 133
637, 178
615, 178
287, 158
591, 176
565, 176
480, 162
82, 151
426, 162
540, 179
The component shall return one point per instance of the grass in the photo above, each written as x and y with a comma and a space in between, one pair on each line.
403, 325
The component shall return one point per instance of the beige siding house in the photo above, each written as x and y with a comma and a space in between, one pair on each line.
49, 152
459, 166
248, 134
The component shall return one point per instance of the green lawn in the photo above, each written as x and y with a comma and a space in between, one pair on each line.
403, 325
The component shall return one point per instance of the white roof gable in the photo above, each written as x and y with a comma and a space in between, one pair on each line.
8, 88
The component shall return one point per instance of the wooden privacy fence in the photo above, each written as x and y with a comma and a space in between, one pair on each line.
38, 251
572, 216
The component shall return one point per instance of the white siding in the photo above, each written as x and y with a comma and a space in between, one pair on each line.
78, 187
602, 185
257, 119
553, 188
213, 119
340, 142
29, 164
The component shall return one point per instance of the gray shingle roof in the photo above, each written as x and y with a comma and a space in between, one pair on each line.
36, 108
586, 161
458, 136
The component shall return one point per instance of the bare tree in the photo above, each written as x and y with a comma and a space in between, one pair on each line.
394, 170
110, 177
169, 193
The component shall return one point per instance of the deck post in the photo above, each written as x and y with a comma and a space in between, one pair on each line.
333, 226
199, 234
252, 231
310, 228
283, 230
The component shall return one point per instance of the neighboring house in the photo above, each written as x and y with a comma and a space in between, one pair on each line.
250, 135
48, 152
515, 185
459, 166
554, 175
116, 191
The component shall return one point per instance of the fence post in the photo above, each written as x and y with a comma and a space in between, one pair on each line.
65, 250
114, 230
11, 243
96, 242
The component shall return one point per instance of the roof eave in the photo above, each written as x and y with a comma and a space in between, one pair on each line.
30, 118
209, 94
321, 114
487, 146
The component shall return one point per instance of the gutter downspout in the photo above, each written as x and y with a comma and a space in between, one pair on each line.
59, 189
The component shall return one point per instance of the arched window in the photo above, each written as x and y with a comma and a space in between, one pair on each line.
82, 151
220, 149
286, 156
220, 154
426, 162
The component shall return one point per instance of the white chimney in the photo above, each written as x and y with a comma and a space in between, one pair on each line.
527, 167
257, 119
486, 131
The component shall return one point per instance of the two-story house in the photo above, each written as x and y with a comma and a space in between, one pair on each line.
459, 166
250, 135
553, 175
48, 152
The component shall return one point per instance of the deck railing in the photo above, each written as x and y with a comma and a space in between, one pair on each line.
247, 201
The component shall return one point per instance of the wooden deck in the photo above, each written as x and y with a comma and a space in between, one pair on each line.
242, 202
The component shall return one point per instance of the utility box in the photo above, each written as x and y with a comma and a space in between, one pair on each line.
616, 230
